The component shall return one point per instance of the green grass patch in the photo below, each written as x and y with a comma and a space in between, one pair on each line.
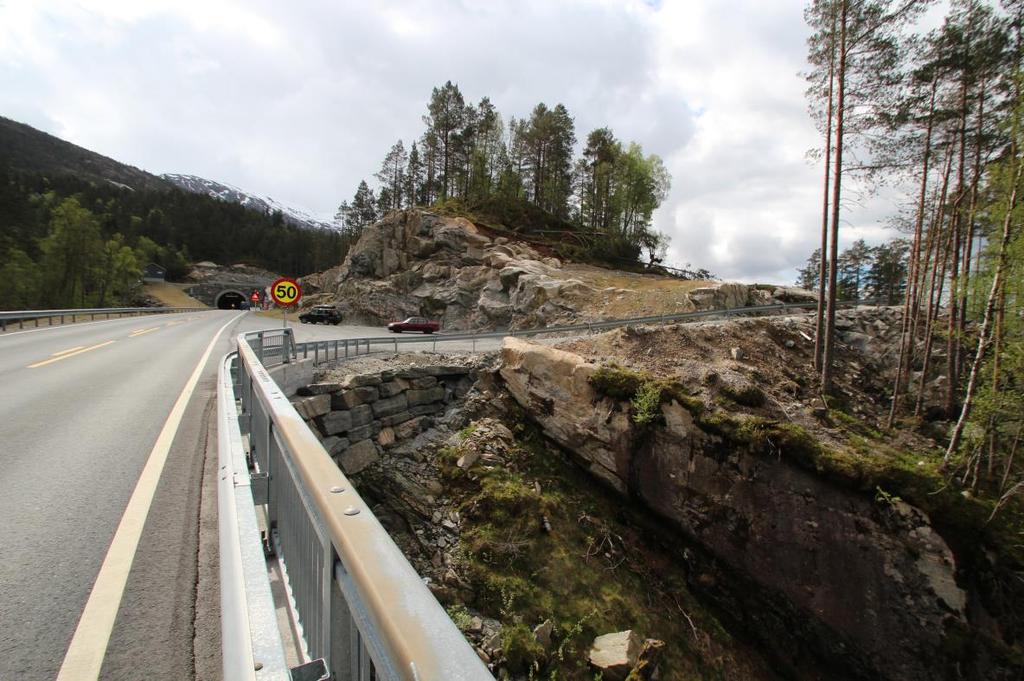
644, 392
590, 574
746, 396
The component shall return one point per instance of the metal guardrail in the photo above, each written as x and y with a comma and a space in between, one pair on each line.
361, 608
22, 316
328, 350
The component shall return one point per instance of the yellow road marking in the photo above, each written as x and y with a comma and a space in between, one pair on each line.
88, 647
64, 352
68, 354
133, 334
174, 323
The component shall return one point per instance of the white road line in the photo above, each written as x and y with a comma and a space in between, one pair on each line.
84, 657
69, 353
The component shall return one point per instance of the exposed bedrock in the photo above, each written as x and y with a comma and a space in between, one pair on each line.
865, 588
414, 262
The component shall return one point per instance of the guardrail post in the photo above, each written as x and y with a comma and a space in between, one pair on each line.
259, 347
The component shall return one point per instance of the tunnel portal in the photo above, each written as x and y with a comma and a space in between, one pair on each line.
230, 300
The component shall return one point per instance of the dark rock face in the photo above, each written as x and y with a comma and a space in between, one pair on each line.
823, 575
875, 575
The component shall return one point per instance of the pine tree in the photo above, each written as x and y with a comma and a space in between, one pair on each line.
853, 265
391, 177
412, 187
808, 275
445, 118
886, 278
363, 211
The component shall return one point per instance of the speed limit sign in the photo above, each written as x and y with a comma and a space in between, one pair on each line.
285, 292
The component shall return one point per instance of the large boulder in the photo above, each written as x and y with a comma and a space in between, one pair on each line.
555, 387
613, 655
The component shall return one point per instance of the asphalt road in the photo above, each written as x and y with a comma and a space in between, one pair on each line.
81, 408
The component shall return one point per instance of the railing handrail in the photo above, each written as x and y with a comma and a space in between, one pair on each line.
247, 613
37, 314
396, 340
416, 635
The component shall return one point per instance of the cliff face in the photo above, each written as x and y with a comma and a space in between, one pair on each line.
417, 263
845, 578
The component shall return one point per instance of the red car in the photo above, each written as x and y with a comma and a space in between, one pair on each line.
414, 324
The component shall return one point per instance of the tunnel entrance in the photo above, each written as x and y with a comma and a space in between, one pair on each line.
230, 300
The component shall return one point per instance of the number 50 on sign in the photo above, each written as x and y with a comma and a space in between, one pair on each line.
285, 292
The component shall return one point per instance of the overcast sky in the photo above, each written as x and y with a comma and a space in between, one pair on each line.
300, 100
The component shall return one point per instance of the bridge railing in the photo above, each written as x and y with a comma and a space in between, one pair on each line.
340, 348
19, 317
360, 608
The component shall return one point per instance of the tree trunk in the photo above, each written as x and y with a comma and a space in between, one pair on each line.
983, 339
938, 281
830, 321
822, 261
971, 214
953, 315
906, 339
935, 278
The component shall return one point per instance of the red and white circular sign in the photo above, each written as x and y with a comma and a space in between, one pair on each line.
285, 291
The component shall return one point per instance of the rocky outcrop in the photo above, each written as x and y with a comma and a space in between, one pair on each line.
417, 263
866, 585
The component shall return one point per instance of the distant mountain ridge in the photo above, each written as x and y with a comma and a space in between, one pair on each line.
25, 149
232, 194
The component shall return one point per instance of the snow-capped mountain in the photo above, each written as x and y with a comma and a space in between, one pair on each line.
226, 192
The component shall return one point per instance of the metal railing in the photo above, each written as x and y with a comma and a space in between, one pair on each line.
340, 348
360, 608
19, 317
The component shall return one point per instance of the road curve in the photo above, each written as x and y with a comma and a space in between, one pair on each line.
80, 409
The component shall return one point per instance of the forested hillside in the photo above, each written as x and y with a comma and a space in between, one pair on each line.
25, 149
68, 242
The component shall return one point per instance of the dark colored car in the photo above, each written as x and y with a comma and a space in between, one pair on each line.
321, 314
414, 324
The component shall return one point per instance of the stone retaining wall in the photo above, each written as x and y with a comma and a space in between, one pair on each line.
364, 414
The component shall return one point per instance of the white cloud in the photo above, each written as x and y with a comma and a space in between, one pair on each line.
301, 100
